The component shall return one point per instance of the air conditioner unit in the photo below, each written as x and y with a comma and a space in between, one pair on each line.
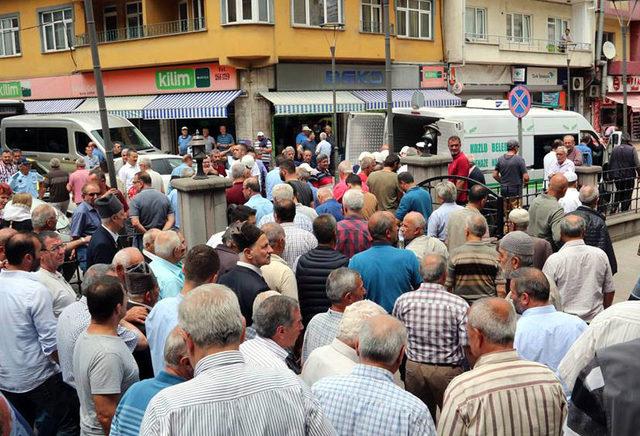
594, 91
577, 84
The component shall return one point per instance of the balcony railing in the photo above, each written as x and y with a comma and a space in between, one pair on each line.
145, 31
515, 43
371, 27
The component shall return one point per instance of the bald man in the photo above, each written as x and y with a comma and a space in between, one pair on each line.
545, 212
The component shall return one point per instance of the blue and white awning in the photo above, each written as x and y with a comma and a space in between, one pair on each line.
128, 107
312, 102
376, 99
52, 106
191, 105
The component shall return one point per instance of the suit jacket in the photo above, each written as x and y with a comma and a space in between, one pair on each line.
101, 248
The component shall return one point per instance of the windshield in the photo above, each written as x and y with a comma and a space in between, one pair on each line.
130, 137
164, 166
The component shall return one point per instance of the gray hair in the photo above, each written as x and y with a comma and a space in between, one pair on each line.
432, 271
367, 161
123, 257
274, 312
281, 192
588, 195
477, 225
93, 274
353, 317
149, 237
345, 167
166, 242
561, 149
175, 348
340, 282
572, 226
353, 200
526, 260
211, 315
495, 328
41, 214
260, 299
274, 231
80, 162
54, 162
321, 157
382, 223
237, 170
531, 281
325, 193
287, 149
446, 191
382, 343
323, 136
144, 161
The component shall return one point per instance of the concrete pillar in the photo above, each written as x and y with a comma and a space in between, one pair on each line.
203, 207
588, 175
426, 167
168, 136
252, 112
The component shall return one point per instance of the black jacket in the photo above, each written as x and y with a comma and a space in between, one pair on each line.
311, 274
246, 284
102, 247
596, 233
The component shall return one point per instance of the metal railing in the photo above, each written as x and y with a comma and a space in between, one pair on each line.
145, 31
371, 27
516, 43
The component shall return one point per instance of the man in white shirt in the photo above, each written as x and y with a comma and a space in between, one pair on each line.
277, 273
129, 170
51, 259
562, 165
550, 159
581, 272
571, 200
324, 146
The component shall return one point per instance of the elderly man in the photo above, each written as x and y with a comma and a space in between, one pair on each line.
91, 160
385, 285
277, 273
474, 269
344, 169
129, 170
571, 199
150, 208
519, 221
545, 213
170, 249
439, 219
390, 410
149, 244
472, 398
457, 223
313, 268
201, 266
436, 322
27, 180
328, 204
298, 241
384, 184
344, 287
415, 198
85, 221
353, 234
51, 260
278, 324
624, 167
573, 154
370, 201
134, 402
413, 228
234, 194
251, 192
212, 323
156, 179
581, 272
284, 192
30, 378
367, 164
543, 335
104, 242
562, 164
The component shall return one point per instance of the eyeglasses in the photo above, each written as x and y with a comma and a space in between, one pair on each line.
92, 194
54, 248
138, 268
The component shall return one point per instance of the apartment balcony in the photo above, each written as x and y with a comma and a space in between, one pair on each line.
145, 31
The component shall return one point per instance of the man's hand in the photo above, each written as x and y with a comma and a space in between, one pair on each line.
137, 314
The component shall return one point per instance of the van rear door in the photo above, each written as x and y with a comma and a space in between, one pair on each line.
365, 132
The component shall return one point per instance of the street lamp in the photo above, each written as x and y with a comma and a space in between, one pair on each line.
624, 18
334, 118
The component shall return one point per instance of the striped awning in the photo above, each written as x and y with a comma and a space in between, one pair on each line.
313, 102
52, 106
127, 107
192, 105
376, 99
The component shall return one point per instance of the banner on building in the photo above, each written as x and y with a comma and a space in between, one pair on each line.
551, 99
542, 76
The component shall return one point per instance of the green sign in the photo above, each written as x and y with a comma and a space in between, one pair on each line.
187, 78
10, 90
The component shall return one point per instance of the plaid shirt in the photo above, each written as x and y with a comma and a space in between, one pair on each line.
297, 243
367, 402
436, 322
322, 329
353, 236
6, 171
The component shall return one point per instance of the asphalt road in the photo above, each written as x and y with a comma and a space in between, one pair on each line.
628, 267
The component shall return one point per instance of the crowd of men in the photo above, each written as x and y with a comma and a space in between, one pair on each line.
359, 306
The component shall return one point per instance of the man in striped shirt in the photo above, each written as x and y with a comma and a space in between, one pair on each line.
227, 396
503, 394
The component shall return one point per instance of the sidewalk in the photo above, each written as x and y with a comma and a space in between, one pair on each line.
628, 267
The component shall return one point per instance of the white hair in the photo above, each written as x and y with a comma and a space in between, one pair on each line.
261, 297
175, 348
149, 236
340, 282
237, 170
281, 192
353, 200
41, 214
124, 257
345, 167
497, 330
353, 317
446, 191
382, 345
144, 161
166, 242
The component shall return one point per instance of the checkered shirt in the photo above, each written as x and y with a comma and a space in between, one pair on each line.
436, 322
322, 330
297, 242
6, 171
353, 236
367, 402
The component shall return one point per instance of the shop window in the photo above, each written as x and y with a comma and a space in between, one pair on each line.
56, 27
315, 13
247, 11
519, 28
475, 24
371, 16
415, 18
9, 36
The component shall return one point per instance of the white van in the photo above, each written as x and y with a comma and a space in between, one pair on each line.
65, 136
484, 126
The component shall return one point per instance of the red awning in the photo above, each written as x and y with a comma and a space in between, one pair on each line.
633, 100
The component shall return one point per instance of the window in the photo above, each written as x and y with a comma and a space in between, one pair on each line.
519, 27
110, 23
9, 36
134, 20
317, 12
414, 18
38, 139
198, 14
475, 25
247, 11
556, 28
372, 16
183, 16
57, 29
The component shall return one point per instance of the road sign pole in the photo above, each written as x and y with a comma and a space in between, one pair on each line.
520, 136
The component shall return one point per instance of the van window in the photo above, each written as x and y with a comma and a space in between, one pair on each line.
542, 145
82, 139
130, 137
40, 139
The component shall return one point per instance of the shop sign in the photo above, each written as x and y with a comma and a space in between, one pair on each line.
614, 83
542, 76
432, 77
518, 74
551, 99
15, 89
355, 77
183, 79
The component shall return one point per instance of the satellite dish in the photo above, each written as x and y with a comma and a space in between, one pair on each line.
609, 50
457, 88
417, 100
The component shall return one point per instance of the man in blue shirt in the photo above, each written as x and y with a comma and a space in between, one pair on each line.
91, 160
27, 181
167, 267
85, 220
224, 139
583, 147
328, 204
251, 191
183, 141
133, 404
303, 137
415, 199
384, 284
273, 177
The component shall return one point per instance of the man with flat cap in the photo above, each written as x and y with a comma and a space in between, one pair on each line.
104, 242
